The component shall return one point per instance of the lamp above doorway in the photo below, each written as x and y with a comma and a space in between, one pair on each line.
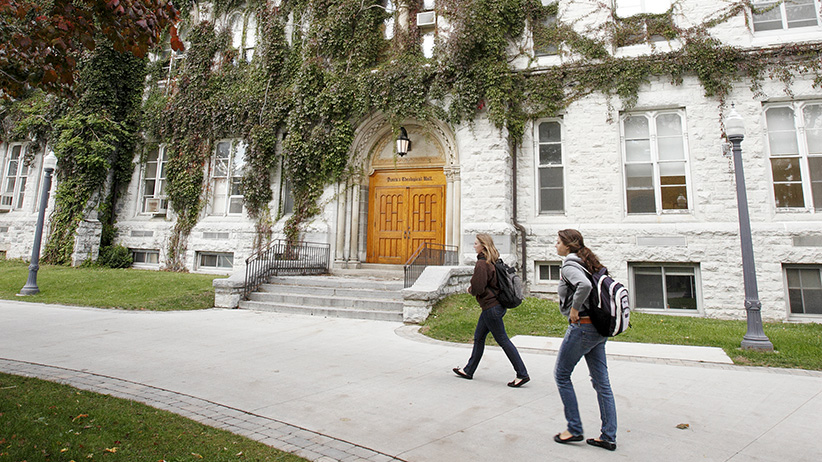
403, 143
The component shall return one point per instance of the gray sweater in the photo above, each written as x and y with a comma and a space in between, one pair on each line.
574, 282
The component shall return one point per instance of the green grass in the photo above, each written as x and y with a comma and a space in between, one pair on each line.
130, 289
45, 421
795, 345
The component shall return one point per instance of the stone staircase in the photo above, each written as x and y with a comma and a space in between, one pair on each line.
367, 293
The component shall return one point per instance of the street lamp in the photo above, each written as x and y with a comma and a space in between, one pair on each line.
49, 163
755, 338
403, 143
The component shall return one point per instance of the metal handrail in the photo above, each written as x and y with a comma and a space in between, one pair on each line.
282, 257
428, 254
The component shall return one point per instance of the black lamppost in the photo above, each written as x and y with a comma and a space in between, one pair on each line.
755, 338
49, 163
403, 142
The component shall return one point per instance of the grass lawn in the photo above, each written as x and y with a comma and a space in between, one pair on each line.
130, 289
795, 345
43, 421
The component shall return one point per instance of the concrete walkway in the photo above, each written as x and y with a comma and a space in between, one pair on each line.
343, 390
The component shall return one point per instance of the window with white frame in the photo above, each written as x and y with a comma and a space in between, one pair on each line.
215, 260
548, 271
804, 288
543, 35
143, 257
654, 146
794, 132
550, 166
427, 24
628, 8
243, 34
390, 21
15, 175
287, 197
227, 178
665, 287
154, 182
785, 14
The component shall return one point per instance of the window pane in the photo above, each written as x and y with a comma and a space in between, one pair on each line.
239, 160
786, 169
671, 149
781, 131
674, 198
236, 205
795, 300
550, 154
681, 291
669, 125
637, 150
640, 193
226, 261
648, 289
815, 164
550, 177
21, 193
800, 13
810, 279
208, 260
236, 27
793, 278
549, 132
769, 20
789, 195
636, 127
544, 272
813, 127
151, 170
152, 155
551, 200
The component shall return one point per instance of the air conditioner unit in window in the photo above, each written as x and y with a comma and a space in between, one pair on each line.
426, 18
155, 205
6, 201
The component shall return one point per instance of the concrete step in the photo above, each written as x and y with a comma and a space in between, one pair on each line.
324, 291
376, 315
338, 282
330, 301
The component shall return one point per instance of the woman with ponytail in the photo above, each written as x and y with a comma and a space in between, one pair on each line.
581, 340
484, 287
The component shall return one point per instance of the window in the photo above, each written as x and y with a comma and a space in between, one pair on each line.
388, 23
287, 197
548, 271
550, 167
154, 182
795, 145
665, 287
215, 260
143, 257
243, 35
427, 24
656, 165
544, 36
787, 14
227, 178
628, 8
804, 289
15, 174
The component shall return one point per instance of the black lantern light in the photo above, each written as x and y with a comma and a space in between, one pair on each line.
403, 143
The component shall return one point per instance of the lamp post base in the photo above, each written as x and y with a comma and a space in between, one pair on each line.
757, 344
31, 284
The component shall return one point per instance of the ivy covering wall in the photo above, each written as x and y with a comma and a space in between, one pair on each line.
321, 66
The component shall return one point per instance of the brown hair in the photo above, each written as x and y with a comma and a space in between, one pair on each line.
489, 249
573, 240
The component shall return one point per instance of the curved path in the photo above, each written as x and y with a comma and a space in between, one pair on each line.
344, 390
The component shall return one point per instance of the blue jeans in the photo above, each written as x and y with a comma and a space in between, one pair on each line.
491, 321
584, 340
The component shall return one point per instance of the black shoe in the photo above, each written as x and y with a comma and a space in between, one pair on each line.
602, 444
462, 374
516, 383
570, 439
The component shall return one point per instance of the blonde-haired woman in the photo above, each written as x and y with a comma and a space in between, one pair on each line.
485, 288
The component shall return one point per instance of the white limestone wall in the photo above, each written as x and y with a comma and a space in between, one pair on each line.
709, 234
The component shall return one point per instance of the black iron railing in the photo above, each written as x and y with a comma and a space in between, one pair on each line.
428, 254
280, 257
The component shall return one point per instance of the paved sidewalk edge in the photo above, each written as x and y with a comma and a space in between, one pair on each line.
277, 434
412, 332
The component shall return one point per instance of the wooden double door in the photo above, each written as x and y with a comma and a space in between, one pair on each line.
407, 209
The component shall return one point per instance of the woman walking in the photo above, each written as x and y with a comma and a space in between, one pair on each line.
484, 287
581, 340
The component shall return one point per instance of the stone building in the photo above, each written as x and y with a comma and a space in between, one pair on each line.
650, 185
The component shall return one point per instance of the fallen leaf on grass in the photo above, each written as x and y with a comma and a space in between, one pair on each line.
79, 417
683, 426
111, 450
196, 455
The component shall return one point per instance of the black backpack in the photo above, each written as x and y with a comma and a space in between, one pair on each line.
510, 285
610, 307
